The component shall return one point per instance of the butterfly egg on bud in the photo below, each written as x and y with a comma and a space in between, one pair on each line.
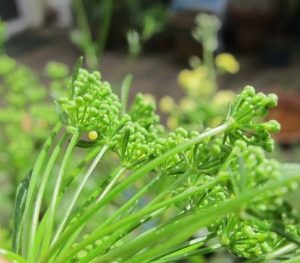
93, 135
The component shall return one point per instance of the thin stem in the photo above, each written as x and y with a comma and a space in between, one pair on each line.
190, 224
78, 191
32, 187
88, 48
187, 246
129, 180
53, 204
104, 30
78, 170
65, 186
184, 255
40, 195
275, 254
137, 196
111, 183
133, 200
126, 84
115, 237
139, 216
107, 189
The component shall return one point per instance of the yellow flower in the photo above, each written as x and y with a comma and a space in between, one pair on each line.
196, 82
187, 105
227, 63
166, 104
149, 98
223, 98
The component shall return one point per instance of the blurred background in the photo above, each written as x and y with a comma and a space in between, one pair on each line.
152, 39
191, 55
263, 35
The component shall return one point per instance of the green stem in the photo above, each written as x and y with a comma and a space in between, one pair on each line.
115, 237
65, 187
134, 176
40, 195
275, 254
111, 184
190, 224
78, 191
295, 259
128, 205
138, 216
11, 256
82, 21
184, 255
104, 30
132, 201
125, 88
184, 248
32, 188
208, 61
53, 203
115, 178
78, 170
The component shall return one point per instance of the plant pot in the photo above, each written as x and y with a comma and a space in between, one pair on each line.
288, 114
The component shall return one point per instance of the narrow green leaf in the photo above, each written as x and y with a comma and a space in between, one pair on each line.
20, 202
124, 144
190, 224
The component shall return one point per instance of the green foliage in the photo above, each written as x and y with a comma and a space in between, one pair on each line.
148, 20
93, 23
26, 115
217, 180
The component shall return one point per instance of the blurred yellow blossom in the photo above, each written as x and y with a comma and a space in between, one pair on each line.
227, 63
196, 81
166, 104
149, 98
223, 98
187, 104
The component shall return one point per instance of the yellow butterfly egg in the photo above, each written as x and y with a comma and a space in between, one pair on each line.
93, 135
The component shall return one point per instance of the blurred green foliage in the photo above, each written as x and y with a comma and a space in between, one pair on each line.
98, 20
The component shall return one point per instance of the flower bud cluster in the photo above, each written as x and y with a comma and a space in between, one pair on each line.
143, 112
133, 144
176, 163
245, 238
91, 104
248, 110
248, 168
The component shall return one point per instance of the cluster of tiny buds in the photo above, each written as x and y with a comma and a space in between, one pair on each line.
91, 106
248, 110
